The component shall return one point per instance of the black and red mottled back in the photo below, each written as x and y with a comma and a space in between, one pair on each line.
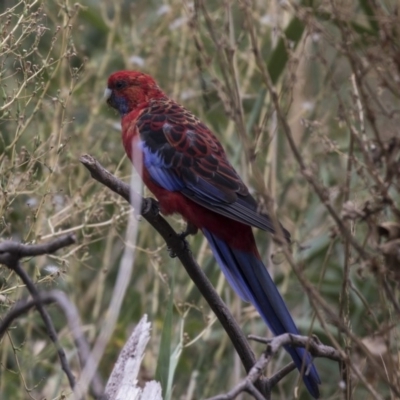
182, 154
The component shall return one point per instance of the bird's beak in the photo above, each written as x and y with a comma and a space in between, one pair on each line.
107, 93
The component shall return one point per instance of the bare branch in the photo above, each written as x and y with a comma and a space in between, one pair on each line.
314, 347
246, 385
19, 250
151, 214
11, 253
281, 374
273, 346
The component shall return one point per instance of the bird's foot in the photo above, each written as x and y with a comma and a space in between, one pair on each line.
171, 252
189, 230
185, 246
150, 206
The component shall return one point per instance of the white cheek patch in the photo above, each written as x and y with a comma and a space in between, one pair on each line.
107, 93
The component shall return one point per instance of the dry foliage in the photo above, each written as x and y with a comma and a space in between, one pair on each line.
305, 98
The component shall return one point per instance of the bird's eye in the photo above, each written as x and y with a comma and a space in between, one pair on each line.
120, 85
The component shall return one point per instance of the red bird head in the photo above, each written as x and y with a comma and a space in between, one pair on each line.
128, 90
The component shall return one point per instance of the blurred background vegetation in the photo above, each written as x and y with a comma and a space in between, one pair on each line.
336, 68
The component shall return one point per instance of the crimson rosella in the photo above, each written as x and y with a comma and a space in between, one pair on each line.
186, 168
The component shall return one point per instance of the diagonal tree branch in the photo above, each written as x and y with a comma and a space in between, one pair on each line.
150, 213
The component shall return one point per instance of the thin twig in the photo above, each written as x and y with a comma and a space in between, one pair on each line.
281, 374
246, 385
390, 294
73, 319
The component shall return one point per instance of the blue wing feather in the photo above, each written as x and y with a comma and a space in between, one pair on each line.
159, 171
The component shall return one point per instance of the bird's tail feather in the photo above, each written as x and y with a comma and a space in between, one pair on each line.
250, 279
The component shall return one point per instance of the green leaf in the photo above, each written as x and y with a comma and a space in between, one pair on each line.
174, 359
164, 356
313, 247
94, 18
364, 4
358, 28
255, 112
277, 63
279, 56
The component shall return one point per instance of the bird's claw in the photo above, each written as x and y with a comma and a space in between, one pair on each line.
150, 206
189, 230
171, 252
185, 246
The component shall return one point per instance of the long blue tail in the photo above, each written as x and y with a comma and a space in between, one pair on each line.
250, 279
